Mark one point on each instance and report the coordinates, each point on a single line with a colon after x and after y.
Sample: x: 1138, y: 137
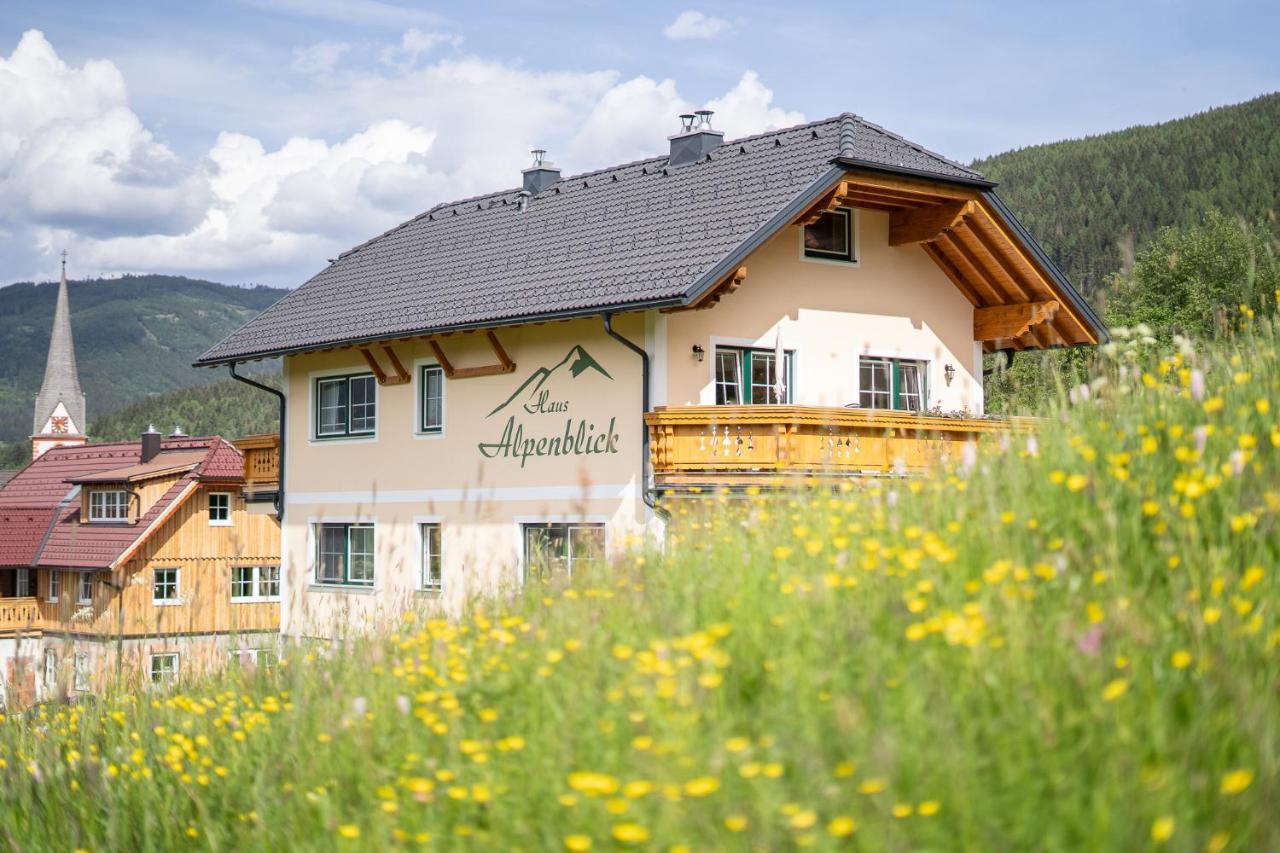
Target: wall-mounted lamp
x: 949, y: 373
x: 698, y: 352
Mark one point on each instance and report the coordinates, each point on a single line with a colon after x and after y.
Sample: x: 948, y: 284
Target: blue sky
x: 247, y: 141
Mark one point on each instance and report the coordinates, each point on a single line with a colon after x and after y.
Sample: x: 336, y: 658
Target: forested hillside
x: 135, y: 336
x: 226, y: 407
x: 1092, y: 202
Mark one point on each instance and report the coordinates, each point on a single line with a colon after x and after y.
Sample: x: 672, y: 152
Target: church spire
x: 59, y: 413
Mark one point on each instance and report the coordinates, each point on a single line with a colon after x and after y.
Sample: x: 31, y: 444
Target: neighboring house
x: 132, y: 559
x: 504, y: 386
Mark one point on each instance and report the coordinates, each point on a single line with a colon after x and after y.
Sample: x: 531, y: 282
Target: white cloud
x: 415, y: 45
x: 692, y: 24
x: 319, y: 58
x: 78, y: 169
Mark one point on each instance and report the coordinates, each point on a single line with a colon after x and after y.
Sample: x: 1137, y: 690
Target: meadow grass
x: 1067, y: 642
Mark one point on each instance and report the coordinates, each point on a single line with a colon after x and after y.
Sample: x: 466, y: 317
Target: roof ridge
x: 916, y: 145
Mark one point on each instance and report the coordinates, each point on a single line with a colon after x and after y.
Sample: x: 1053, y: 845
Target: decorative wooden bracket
x: 504, y: 365
x: 1011, y: 321
x: 925, y: 224
x: 398, y: 375
x: 728, y: 285
x: 838, y: 197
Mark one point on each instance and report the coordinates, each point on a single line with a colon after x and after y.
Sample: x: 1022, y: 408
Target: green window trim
x: 899, y: 394
x: 345, y: 416
x: 431, y: 419
x: 338, y: 562
x: 745, y: 385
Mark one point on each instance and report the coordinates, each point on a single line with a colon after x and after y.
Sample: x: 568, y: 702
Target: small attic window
x: 109, y: 505
x: 831, y: 237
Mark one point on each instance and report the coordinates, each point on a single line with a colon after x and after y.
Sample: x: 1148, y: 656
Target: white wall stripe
x: 614, y: 491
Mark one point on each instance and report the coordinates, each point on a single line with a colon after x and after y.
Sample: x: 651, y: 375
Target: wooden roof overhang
x: 1019, y: 303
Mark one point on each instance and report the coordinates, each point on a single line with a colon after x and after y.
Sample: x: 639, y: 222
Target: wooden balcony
x: 736, y: 445
x: 261, y: 465
x: 20, y: 615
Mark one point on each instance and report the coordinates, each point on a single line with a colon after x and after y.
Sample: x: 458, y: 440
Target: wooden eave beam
x: 505, y: 363
x: 954, y: 248
x: 728, y: 285
x: 1002, y: 322
x: 397, y: 376
x: 925, y: 224
x: 952, y: 272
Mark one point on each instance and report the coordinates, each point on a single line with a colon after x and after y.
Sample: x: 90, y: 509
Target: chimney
x: 541, y: 174
x: 695, y: 140
x: 150, y: 444
x: 178, y: 433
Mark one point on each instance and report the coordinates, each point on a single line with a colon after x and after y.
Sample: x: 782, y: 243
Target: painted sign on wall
x: 541, y: 420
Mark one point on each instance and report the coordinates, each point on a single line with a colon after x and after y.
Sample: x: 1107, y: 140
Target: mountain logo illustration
x: 577, y: 360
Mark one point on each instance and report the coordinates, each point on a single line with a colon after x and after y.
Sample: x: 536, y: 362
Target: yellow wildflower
x: 1236, y: 781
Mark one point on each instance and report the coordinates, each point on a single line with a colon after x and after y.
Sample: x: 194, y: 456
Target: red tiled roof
x: 30, y: 500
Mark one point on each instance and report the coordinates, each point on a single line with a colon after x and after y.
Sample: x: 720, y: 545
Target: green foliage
x: 134, y: 336
x: 227, y: 408
x: 1071, y: 645
x: 1093, y: 202
x: 1194, y: 280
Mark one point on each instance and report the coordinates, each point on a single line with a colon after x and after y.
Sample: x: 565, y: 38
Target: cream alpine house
x: 508, y: 385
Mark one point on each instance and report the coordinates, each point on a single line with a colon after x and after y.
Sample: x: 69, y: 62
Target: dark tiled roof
x: 43, y: 490
x: 630, y: 235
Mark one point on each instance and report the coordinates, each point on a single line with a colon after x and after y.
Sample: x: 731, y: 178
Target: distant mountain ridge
x: 1092, y: 202
x: 135, y: 336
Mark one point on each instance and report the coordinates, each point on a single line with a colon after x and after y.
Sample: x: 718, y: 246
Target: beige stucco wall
x: 895, y: 302
x: 399, y: 478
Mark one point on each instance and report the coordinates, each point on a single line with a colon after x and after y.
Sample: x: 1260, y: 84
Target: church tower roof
x: 61, y: 380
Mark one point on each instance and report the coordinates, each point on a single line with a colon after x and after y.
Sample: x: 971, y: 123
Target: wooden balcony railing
x: 724, y: 444
x: 261, y: 462
x: 20, y: 614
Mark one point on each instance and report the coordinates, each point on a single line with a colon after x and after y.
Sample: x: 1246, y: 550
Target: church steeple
x: 59, y: 414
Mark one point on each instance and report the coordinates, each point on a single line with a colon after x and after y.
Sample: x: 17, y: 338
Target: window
x: 751, y: 376
x: 559, y: 549
x: 255, y: 583
x: 346, y: 405
x: 164, y: 667
x: 86, y: 589
x: 219, y: 508
x: 164, y: 586
x: 263, y: 659
x: 432, y: 416
x: 22, y: 583
x: 50, y: 669
x: 432, y: 578
x: 55, y: 579
x: 891, y: 383
x: 109, y: 506
x: 344, y: 554
x: 831, y: 237
x: 82, y: 671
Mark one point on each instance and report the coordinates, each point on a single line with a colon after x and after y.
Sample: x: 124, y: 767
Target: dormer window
x: 831, y: 237
x: 109, y: 505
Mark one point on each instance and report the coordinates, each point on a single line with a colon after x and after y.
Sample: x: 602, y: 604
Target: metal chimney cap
x: 686, y: 122
x: 539, y: 156
x: 151, y: 430
x: 177, y: 433
x: 704, y: 118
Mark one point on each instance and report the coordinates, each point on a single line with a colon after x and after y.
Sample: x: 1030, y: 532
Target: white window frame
x: 220, y: 522
x: 83, y: 672
x: 256, y: 582
x: 85, y: 581
x: 855, y: 244
x: 55, y: 586
x: 50, y: 669
x: 121, y: 503
x: 345, y: 583
x: 424, y: 541
x: 177, y: 587
x: 172, y: 674
x: 22, y: 586
x: 420, y: 368
x: 315, y: 437
x: 237, y: 657
x: 926, y: 375
x: 522, y: 524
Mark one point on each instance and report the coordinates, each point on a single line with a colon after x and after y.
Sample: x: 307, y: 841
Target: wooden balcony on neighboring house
x: 20, y: 615
x: 261, y: 466
x: 742, y: 445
